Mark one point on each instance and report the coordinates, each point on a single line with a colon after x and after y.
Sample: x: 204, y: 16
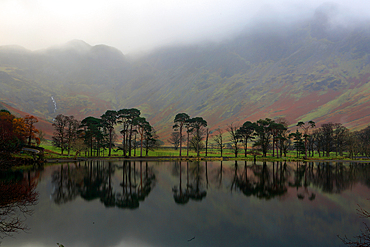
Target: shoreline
x: 203, y: 158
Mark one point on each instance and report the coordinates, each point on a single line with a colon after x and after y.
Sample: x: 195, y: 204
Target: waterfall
x: 55, y: 104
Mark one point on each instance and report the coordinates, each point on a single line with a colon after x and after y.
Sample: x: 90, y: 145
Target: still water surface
x: 121, y: 203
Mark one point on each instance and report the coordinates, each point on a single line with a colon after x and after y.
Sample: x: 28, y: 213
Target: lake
x: 123, y: 203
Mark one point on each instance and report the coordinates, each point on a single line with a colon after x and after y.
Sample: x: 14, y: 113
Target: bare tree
x: 59, y: 135
x: 363, y: 239
x: 208, y: 132
x: 16, y: 200
x: 234, y: 137
x: 79, y: 146
x: 175, y: 139
x: 72, y: 126
x: 218, y: 139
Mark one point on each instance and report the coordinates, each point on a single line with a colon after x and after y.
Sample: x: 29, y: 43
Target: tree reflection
x: 97, y: 180
x: 18, y: 194
x: 180, y: 195
x: 194, y: 190
x: 219, y: 175
x: 330, y: 177
x: 263, y: 182
x: 133, y: 193
x: 65, y: 181
x: 94, y: 180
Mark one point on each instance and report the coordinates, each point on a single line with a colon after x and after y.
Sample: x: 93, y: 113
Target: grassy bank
x: 52, y: 152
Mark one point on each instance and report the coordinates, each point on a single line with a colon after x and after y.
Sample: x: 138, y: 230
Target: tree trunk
x: 110, y: 142
x: 129, y: 143
x: 207, y: 143
x: 141, y: 144
x: 187, y: 149
x: 180, y: 138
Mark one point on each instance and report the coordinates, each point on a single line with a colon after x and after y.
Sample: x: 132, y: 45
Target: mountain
x: 309, y: 70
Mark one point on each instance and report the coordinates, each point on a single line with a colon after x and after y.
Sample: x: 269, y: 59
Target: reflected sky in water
x: 195, y: 204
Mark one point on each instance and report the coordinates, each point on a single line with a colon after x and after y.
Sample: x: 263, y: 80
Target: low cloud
x: 134, y: 26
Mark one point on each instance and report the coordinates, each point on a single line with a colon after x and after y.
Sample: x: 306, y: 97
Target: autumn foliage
x: 15, y: 132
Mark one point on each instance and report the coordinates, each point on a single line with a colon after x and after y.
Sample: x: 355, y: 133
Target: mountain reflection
x: 94, y: 180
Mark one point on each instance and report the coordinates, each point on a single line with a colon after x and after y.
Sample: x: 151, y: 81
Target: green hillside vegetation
x: 306, y: 71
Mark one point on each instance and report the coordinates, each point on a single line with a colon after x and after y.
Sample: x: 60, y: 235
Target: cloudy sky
x: 140, y: 25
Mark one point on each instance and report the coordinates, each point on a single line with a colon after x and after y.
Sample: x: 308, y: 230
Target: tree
x: 353, y: 143
x: 91, y: 132
x: 363, y: 239
x: 78, y: 146
x: 41, y: 136
x: 196, y: 144
x: 131, y: 115
x: 263, y: 132
x: 318, y: 139
x: 246, y: 133
x: 197, y: 125
x: 19, y: 128
x: 175, y: 139
x: 189, y: 130
x: 31, y: 129
x: 305, y: 127
x: 11, y: 133
x: 142, y: 127
x: 208, y: 132
x: 71, y: 129
x: 59, y: 135
x: 109, y: 119
x: 180, y: 120
x: 283, y: 136
x: 123, y: 119
x: 151, y: 140
x: 327, y: 131
x: 234, y: 137
x: 219, y: 140
x: 299, y: 145
x: 340, y: 134
x: 276, y: 130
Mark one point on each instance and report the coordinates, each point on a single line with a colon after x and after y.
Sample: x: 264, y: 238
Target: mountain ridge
x: 304, y: 72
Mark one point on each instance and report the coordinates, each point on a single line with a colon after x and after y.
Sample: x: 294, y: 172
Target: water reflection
x: 133, y: 191
x: 18, y: 195
x: 194, y: 189
x: 229, y: 203
x: 93, y: 180
x: 268, y: 181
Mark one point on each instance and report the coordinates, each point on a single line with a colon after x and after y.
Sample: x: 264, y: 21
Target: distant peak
x: 13, y: 48
x: 106, y: 51
x: 106, y: 48
x: 77, y: 45
x: 73, y: 45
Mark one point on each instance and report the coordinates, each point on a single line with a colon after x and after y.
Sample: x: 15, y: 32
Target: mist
x: 141, y: 26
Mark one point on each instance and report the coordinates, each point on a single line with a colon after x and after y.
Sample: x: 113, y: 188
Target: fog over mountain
x: 311, y: 68
x: 142, y: 25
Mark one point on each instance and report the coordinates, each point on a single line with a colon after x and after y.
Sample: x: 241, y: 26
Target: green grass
x: 170, y: 153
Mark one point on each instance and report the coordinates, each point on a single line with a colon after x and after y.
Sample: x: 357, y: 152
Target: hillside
x: 306, y: 71
x: 42, y: 124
